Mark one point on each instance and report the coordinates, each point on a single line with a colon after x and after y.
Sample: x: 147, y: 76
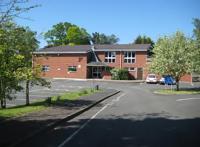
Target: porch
x: 97, y: 70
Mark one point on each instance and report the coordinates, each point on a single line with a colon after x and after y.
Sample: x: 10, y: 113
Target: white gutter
x: 60, y: 52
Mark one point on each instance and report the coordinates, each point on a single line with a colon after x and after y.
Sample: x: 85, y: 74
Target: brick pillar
x: 120, y: 55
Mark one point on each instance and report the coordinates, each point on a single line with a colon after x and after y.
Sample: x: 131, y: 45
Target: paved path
x: 134, y: 118
x: 16, y: 129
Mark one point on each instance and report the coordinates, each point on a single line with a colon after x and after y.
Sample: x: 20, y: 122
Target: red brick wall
x: 186, y: 78
x: 59, y: 65
x: 141, y: 58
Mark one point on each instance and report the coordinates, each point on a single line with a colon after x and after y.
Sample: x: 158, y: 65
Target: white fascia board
x: 59, y: 52
x: 107, y: 50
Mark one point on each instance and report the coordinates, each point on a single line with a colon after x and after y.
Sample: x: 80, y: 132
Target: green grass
x: 43, y: 104
x: 21, y: 110
x: 171, y: 92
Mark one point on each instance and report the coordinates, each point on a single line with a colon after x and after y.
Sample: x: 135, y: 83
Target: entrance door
x: 96, y: 72
x: 139, y: 73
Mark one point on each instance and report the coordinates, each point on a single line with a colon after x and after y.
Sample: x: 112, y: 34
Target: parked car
x: 151, y: 78
x: 162, y: 81
x: 168, y: 80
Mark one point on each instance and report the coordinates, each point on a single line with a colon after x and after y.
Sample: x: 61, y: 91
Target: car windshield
x: 152, y: 76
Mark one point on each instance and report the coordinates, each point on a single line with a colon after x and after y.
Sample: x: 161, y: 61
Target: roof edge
x: 60, y: 52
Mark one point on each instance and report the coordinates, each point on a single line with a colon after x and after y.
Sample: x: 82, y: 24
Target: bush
x: 83, y: 92
x: 119, y: 74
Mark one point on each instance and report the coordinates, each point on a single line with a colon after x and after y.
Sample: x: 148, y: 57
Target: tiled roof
x: 66, y: 49
x: 123, y: 46
x: 87, y: 48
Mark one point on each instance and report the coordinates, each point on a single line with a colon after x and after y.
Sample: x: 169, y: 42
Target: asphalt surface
x: 136, y: 117
x: 37, y: 92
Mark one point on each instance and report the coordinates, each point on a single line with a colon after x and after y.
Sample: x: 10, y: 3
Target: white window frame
x: 130, y: 58
x: 45, y: 68
x: 111, y: 57
x: 71, y: 68
x: 129, y: 69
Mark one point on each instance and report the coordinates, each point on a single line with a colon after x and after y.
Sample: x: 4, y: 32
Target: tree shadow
x: 139, y: 130
x: 147, y: 132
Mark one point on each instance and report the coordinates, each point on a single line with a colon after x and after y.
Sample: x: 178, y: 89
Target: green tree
x: 57, y: 35
x: 145, y: 40
x: 173, y: 56
x: 196, y: 32
x: 10, y: 63
x: 17, y: 44
x: 98, y: 38
x: 77, y: 36
x: 28, y: 44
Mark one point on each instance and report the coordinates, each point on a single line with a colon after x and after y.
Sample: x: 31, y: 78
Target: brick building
x: 92, y: 61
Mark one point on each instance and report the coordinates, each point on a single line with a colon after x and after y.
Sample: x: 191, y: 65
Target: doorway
x: 96, y: 72
x: 140, y: 73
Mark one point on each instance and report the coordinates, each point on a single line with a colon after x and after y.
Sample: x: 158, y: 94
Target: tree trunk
x: 27, y: 93
x: 3, y: 100
x: 1, y: 103
x: 177, y: 85
x: 4, y: 103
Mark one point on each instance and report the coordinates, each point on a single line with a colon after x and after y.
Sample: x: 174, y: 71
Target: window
x: 129, y: 57
x: 72, y: 68
x: 110, y: 57
x: 45, y: 68
x: 130, y: 68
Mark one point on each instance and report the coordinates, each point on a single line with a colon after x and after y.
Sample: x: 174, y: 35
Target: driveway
x: 136, y: 117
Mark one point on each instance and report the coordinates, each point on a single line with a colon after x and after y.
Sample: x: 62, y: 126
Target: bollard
x: 48, y: 100
x: 96, y: 87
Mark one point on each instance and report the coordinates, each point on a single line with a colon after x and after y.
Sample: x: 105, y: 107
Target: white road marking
x: 186, y: 99
x: 85, y: 124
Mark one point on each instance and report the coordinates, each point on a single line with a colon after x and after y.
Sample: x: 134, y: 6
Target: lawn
x: 181, y: 91
x: 43, y: 104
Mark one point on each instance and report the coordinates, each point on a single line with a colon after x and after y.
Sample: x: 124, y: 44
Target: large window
x: 110, y: 57
x: 72, y: 68
x: 129, y: 57
x: 45, y: 68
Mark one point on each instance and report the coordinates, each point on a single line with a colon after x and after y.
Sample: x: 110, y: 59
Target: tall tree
x: 28, y: 44
x: 98, y: 38
x: 196, y: 32
x: 10, y: 63
x: 10, y: 9
x: 173, y: 56
x: 17, y: 45
x: 57, y: 35
x: 145, y: 40
x: 77, y: 36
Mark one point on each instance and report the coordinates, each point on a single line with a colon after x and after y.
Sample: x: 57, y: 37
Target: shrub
x: 83, y: 92
x: 119, y: 74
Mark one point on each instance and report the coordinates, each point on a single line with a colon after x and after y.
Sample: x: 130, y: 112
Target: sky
x: 125, y: 18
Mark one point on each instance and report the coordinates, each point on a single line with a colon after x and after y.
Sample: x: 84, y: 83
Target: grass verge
x: 43, y: 104
x: 172, y: 92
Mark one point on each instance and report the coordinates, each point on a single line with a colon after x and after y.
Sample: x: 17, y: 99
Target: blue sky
x: 125, y: 18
